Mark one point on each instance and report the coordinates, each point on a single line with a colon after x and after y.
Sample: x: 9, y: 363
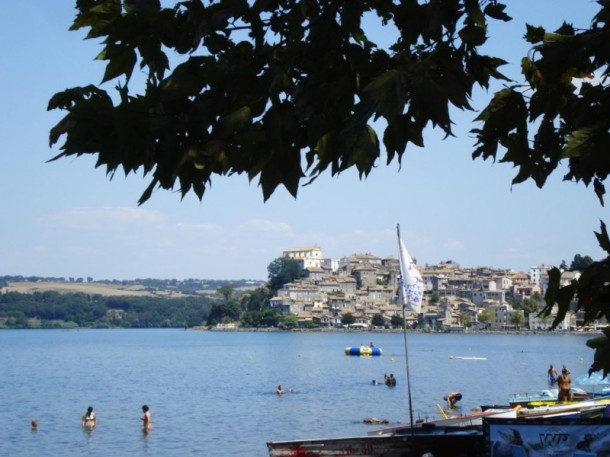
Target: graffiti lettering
x: 553, y: 439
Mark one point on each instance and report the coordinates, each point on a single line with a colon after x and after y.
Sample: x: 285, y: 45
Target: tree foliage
x: 465, y: 320
x: 53, y: 309
x: 561, y: 113
x: 226, y: 291
x: 348, y: 319
x: 485, y: 316
x: 282, y: 271
x: 261, y: 88
x: 397, y: 321
x: 256, y: 299
x: 378, y: 320
x: 517, y: 319
x: 581, y: 263
x: 531, y: 304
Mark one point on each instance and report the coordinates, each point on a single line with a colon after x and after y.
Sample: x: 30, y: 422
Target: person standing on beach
x: 146, y: 419
x: 552, y: 375
x: 89, y: 419
x: 564, y: 384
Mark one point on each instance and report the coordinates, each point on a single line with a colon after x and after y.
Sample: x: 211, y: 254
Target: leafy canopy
x: 282, y: 271
x: 273, y: 89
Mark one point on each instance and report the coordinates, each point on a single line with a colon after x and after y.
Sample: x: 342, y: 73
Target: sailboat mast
x: 404, y: 322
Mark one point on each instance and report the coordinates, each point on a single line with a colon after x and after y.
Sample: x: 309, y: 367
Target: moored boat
x: 439, y: 441
x: 460, y: 420
x: 586, y: 408
x: 546, y: 397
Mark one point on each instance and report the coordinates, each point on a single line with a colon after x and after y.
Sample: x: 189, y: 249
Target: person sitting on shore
x: 452, y: 399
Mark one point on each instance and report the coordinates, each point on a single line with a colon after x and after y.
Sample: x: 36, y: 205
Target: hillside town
x: 456, y: 298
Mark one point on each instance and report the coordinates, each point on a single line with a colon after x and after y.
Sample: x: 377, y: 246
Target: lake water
x: 213, y: 393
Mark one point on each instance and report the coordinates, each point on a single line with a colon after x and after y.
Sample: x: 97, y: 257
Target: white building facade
x: 308, y: 256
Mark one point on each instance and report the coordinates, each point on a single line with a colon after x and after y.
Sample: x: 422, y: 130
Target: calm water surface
x: 213, y: 393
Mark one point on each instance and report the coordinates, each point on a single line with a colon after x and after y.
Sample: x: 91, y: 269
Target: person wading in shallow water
x: 452, y: 399
x: 89, y: 419
x: 146, y: 419
x: 552, y: 375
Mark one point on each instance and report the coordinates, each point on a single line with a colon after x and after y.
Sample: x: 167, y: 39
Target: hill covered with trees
x: 36, y: 302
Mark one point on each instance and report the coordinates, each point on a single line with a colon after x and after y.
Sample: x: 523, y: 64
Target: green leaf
x: 383, y: 95
x: 556, y: 295
x: 496, y: 11
x: 235, y: 121
x: 534, y: 34
x: 121, y: 59
x: 602, y: 238
x: 473, y: 35
x: 580, y: 142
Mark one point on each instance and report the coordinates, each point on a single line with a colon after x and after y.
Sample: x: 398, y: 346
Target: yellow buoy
x: 450, y: 356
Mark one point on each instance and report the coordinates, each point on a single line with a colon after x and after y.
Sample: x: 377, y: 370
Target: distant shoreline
x: 346, y: 330
x: 332, y: 330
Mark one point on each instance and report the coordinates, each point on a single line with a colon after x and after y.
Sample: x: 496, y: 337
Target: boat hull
x: 459, y: 442
x: 462, y: 420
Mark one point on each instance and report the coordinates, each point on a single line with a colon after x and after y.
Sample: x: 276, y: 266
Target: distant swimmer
x: 279, y: 391
x: 390, y: 380
x: 34, y: 425
x: 89, y: 419
x: 452, y: 399
x: 146, y: 418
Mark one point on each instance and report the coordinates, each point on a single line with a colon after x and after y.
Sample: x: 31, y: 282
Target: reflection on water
x: 214, y: 393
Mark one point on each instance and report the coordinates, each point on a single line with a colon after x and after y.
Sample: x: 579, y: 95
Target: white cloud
x: 200, y: 229
x: 101, y: 218
x: 267, y: 226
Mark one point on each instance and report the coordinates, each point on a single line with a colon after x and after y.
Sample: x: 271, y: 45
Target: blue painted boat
x: 546, y: 397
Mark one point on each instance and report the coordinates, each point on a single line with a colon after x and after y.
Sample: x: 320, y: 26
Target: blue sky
x: 67, y: 219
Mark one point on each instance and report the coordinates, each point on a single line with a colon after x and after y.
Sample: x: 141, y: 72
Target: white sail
x: 411, y: 284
